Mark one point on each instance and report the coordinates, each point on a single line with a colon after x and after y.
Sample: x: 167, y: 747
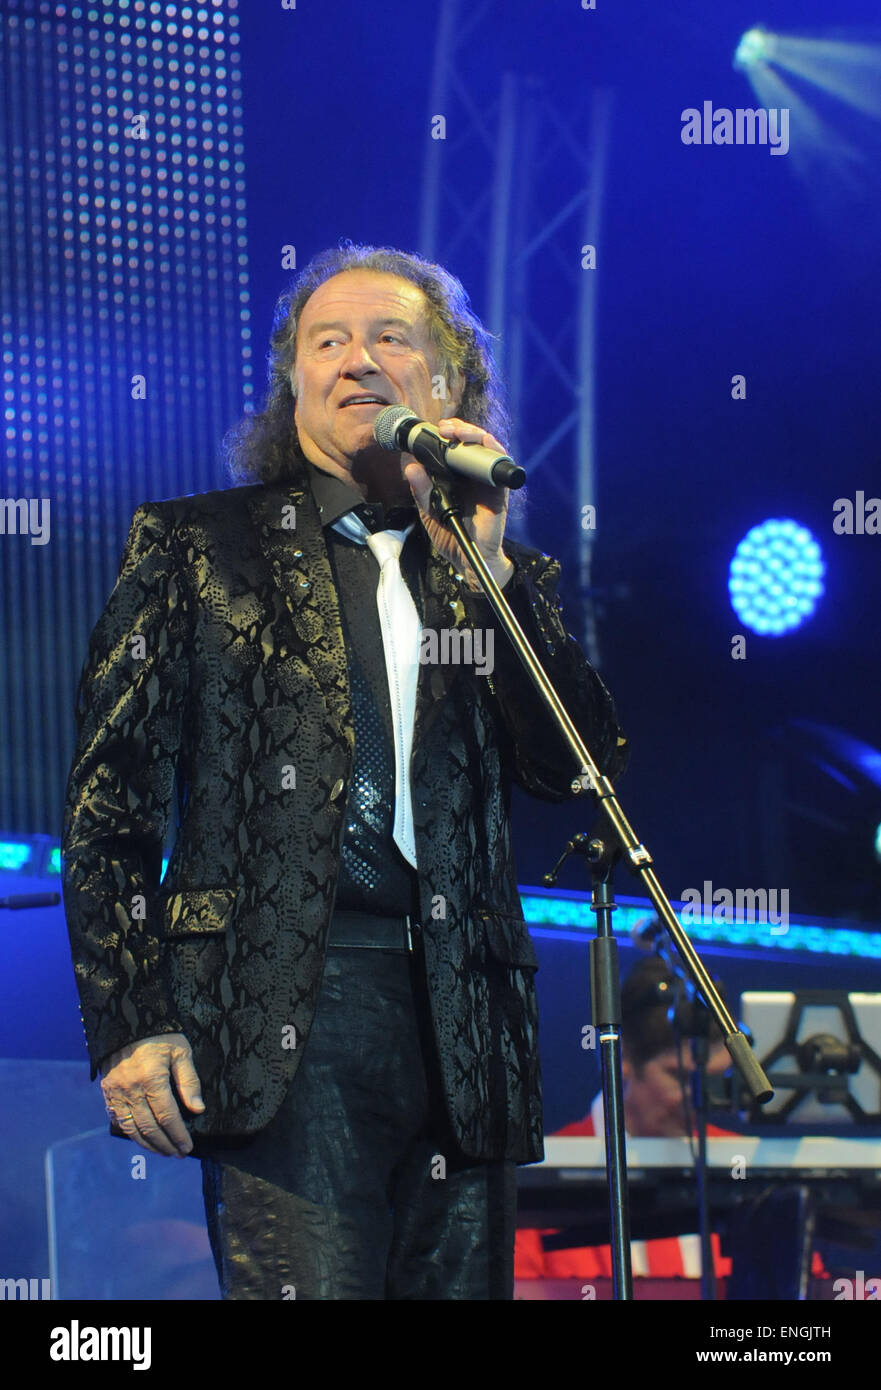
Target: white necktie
x: 401, y: 636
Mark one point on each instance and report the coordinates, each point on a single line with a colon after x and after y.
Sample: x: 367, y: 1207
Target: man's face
x: 653, y: 1100
x: 362, y: 343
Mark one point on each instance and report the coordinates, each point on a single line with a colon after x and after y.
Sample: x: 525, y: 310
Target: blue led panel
x: 126, y: 340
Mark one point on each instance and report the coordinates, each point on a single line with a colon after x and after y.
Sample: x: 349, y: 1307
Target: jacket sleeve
x: 541, y: 760
x: 129, y: 716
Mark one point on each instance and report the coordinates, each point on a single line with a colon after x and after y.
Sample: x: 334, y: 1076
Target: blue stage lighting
x: 776, y: 577
x: 756, y: 46
x: 14, y: 855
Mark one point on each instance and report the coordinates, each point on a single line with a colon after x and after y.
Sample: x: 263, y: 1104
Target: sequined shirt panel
x: 374, y: 876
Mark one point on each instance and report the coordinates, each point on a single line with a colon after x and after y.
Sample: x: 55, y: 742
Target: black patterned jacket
x: 216, y: 691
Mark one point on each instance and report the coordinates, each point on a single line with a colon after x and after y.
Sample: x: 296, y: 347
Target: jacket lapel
x: 441, y: 608
x: 291, y: 537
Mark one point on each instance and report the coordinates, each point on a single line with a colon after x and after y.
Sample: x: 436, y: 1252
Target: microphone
x: 400, y: 430
x: 19, y: 900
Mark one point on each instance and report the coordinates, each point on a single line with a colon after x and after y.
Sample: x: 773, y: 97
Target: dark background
x: 712, y: 261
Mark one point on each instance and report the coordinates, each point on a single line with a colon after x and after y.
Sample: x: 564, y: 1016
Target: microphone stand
x: 690, y: 1019
x: 605, y: 997
x: 604, y: 962
x: 700, y: 1052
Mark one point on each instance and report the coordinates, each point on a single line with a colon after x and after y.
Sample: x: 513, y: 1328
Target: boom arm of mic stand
x: 446, y: 511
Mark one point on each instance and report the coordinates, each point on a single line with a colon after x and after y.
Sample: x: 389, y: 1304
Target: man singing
x: 329, y: 997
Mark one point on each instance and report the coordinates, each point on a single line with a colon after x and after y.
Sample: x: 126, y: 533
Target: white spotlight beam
x: 849, y: 71
x: 812, y: 143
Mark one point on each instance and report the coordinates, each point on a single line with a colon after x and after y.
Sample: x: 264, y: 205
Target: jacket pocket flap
x: 508, y: 940
x: 198, y: 910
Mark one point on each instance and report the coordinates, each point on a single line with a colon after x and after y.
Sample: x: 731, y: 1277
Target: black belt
x: 364, y: 930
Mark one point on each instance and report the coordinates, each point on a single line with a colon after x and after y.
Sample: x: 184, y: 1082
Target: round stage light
x: 776, y: 577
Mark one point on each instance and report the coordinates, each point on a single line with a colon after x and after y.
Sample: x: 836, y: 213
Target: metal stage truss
x: 512, y: 192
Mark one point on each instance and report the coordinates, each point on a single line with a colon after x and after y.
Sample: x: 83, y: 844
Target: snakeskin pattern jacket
x: 215, y: 699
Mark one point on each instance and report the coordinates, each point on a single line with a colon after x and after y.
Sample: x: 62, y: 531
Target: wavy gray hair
x: 263, y: 446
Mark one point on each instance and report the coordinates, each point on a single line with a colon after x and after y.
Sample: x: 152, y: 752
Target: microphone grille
x: 385, y: 426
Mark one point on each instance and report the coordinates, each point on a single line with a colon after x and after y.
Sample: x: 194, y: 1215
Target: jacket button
x: 336, y: 789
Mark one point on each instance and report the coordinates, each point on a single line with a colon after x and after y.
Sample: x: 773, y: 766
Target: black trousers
x: 357, y: 1189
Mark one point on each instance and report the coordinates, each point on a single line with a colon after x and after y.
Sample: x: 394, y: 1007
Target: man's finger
x: 420, y: 485
x: 144, y: 1131
x: 465, y: 433
x: 161, y: 1122
x: 186, y: 1079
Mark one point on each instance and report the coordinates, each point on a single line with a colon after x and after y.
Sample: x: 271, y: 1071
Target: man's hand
x: 138, y: 1094
x: 484, y: 508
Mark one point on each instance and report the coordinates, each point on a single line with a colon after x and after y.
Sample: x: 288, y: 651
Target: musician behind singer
x: 655, y: 1104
